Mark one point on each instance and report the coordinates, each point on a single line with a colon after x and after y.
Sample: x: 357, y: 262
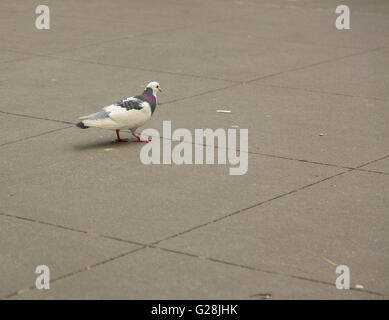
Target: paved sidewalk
x: 109, y: 226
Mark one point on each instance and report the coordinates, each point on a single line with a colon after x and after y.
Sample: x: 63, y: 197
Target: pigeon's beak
x: 160, y: 89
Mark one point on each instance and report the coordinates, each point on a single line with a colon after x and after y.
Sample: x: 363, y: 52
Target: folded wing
x: 126, y: 113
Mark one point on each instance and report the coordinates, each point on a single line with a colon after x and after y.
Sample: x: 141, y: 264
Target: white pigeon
x: 130, y: 113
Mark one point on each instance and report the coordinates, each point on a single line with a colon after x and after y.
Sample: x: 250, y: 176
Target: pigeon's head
x: 154, y: 86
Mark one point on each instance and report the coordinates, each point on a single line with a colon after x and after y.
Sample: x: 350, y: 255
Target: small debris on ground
x: 264, y: 296
x: 223, y: 111
x: 330, y: 262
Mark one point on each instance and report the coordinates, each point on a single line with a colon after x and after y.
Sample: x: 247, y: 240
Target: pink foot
x: 142, y: 140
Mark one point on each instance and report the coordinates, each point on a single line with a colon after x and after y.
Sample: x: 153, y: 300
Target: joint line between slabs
x: 34, y: 117
x: 251, y: 207
x: 315, y: 64
x: 267, y: 201
x: 86, y: 268
x: 144, y: 246
x: 359, y: 168
x: 34, y: 136
x: 317, y: 91
x: 204, y: 145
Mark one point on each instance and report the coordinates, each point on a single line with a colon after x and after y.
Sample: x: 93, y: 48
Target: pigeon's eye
x: 157, y: 87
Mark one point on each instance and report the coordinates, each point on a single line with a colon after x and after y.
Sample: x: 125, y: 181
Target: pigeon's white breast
x: 131, y: 119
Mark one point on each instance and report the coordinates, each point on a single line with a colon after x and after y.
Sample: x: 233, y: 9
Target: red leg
x: 120, y: 139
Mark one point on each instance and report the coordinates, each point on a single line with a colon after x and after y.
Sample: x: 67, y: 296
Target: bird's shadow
x: 106, y: 144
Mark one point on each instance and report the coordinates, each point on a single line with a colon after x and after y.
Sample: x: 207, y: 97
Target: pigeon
x: 130, y: 113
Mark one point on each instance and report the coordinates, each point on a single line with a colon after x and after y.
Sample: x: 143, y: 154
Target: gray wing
x: 100, y: 115
x: 130, y: 103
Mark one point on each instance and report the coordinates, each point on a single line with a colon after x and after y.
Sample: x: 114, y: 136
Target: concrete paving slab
x: 62, y: 189
x: 15, y: 128
x: 76, y: 24
x: 220, y: 55
x: 26, y: 245
x: 19, y: 33
x: 364, y: 75
x: 80, y: 179
x: 381, y: 165
x: 357, y: 6
x: 299, y: 22
x: 341, y: 221
x: 198, y: 11
x: 68, y: 30
x: 152, y: 274
x: 288, y: 122
x: 157, y: 13
x: 65, y: 90
x: 8, y: 56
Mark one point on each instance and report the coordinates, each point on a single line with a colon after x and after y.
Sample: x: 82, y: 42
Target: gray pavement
x: 110, y: 227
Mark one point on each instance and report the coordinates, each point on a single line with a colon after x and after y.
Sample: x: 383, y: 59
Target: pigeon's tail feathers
x: 81, y: 125
x: 88, y: 116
